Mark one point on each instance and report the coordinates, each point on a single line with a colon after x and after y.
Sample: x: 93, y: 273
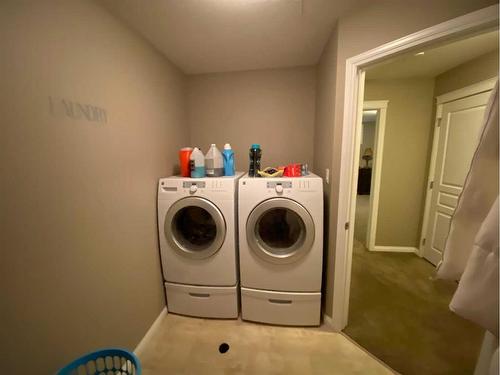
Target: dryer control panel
x: 284, y: 184
x: 300, y: 184
x: 281, y: 186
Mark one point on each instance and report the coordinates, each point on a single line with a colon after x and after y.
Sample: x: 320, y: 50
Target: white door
x: 459, y: 130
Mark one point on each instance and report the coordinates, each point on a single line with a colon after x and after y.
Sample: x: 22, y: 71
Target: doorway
x: 369, y: 172
x: 469, y: 24
x: 397, y: 310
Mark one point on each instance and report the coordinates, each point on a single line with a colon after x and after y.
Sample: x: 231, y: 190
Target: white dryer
x: 197, y: 227
x: 281, y: 249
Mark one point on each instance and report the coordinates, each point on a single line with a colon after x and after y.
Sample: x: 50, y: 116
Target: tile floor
x: 184, y: 345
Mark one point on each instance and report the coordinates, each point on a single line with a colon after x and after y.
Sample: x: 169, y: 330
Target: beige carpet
x: 185, y: 345
x: 400, y: 314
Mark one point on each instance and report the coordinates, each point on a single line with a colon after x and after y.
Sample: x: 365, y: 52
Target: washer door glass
x: 195, y: 227
x: 280, y: 230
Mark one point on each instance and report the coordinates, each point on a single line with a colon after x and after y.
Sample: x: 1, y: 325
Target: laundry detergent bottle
x: 197, y: 163
x: 255, y: 156
x: 214, y: 164
x: 228, y: 156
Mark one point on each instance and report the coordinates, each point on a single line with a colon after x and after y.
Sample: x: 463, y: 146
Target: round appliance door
x: 280, y: 230
x: 195, y: 227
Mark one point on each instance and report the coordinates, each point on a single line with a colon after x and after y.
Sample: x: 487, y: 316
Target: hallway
x: 400, y: 314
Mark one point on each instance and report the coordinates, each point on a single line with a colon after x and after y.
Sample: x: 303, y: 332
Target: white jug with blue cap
x: 214, y: 164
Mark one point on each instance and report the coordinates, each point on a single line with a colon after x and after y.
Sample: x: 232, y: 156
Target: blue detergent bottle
x: 228, y: 156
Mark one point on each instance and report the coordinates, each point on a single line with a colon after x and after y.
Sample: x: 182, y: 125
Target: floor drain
x: 223, y: 347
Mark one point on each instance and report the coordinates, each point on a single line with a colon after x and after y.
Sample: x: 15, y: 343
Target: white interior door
x: 459, y: 130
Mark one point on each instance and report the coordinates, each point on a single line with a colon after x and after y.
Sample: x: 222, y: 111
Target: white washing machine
x: 197, y: 227
x: 281, y: 249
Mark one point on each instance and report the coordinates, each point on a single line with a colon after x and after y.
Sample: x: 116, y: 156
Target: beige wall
x: 370, y: 27
x: 402, y: 194
x: 272, y: 107
x: 325, y: 109
x: 79, y: 255
x: 466, y: 74
x: 405, y: 158
x: 323, y: 147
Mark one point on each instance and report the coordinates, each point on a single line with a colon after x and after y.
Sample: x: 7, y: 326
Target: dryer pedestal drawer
x: 202, y: 301
x: 294, y: 309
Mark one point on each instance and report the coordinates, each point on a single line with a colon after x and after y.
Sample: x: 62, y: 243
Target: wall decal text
x: 62, y: 107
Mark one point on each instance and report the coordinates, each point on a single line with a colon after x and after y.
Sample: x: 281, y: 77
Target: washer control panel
x: 198, y: 184
x: 201, y: 187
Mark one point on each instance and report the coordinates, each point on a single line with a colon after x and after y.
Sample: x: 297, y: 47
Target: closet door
x: 460, y: 125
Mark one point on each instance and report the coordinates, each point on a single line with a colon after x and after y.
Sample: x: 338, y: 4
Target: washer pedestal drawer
x: 202, y: 301
x: 294, y: 309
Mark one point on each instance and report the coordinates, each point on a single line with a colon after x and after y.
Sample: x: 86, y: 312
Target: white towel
x: 476, y: 297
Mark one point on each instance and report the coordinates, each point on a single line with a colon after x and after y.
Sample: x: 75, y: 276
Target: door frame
x: 482, y: 19
x: 381, y: 106
x: 476, y: 88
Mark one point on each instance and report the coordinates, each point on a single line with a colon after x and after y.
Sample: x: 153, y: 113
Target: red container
x: 184, y: 155
x: 293, y: 170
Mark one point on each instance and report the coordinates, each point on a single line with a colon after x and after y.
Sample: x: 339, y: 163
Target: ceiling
x: 206, y: 36
x: 436, y: 60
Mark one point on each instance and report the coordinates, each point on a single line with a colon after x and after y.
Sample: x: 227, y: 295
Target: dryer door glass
x: 195, y: 227
x: 280, y: 230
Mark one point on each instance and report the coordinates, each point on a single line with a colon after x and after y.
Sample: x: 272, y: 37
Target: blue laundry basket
x: 103, y: 362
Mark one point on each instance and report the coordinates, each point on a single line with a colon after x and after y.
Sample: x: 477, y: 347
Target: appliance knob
x: 193, y: 188
x: 279, y: 189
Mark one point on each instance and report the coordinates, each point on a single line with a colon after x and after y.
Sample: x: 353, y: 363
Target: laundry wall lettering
x: 77, y: 111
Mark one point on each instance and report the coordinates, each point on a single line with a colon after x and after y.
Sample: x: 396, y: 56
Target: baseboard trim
x: 396, y: 249
x: 329, y: 324
x: 328, y: 321
x: 151, y: 331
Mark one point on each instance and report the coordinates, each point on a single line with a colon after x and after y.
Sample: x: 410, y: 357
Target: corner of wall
x: 326, y: 71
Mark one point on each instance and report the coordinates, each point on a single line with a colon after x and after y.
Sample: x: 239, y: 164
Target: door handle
x: 200, y: 295
x: 281, y: 301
